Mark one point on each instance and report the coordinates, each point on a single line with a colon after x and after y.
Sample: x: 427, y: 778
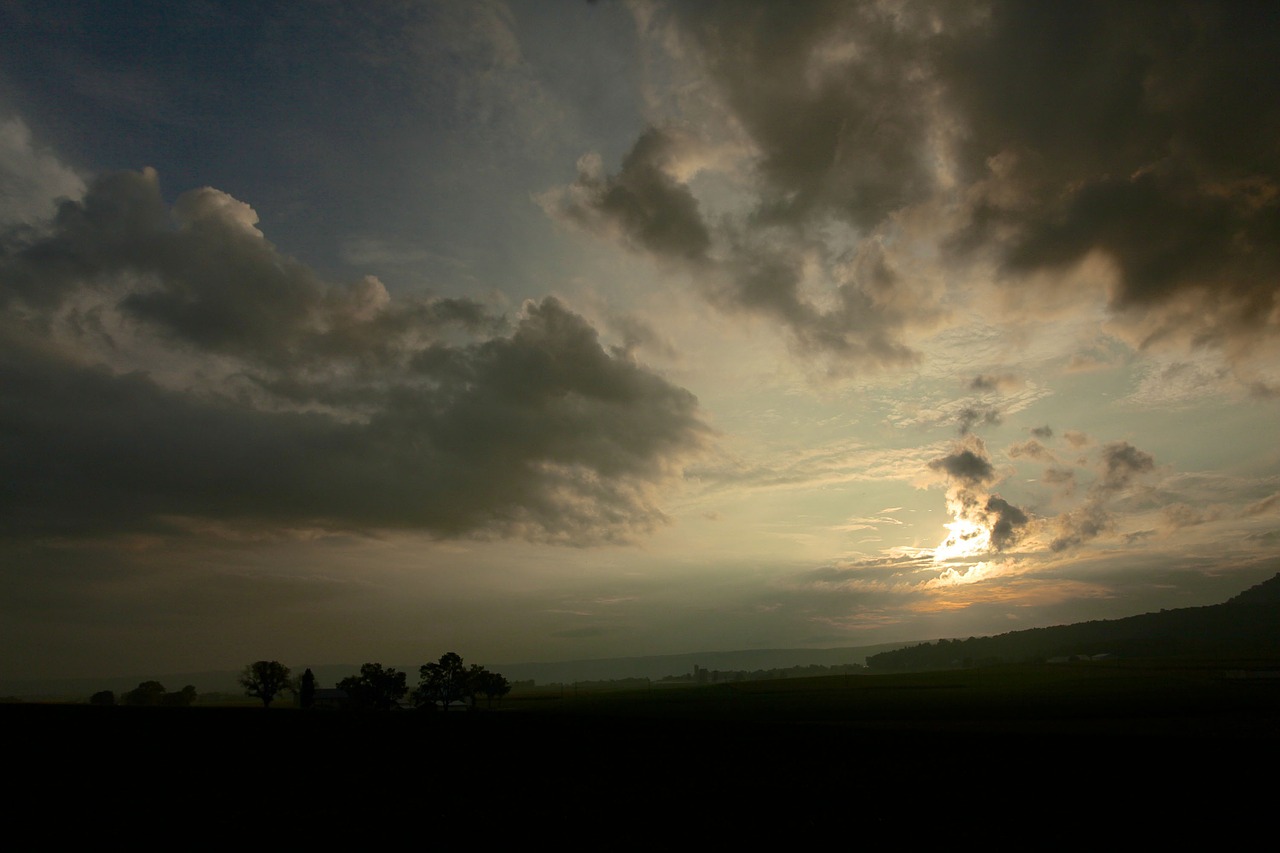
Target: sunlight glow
x: 966, y: 539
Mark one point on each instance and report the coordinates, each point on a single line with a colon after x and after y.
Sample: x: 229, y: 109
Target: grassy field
x: 1015, y: 742
x: 1181, y: 699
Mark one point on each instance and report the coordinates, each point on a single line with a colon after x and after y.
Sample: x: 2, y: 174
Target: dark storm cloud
x: 966, y: 466
x: 838, y: 134
x: 363, y: 413
x: 1006, y: 522
x: 757, y: 269
x: 643, y: 203
x: 202, y: 275
x: 832, y: 96
x: 1144, y: 133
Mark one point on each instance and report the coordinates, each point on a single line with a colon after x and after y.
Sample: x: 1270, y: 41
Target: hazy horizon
x: 548, y: 332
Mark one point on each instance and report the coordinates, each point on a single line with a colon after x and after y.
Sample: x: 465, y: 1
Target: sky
x: 538, y: 331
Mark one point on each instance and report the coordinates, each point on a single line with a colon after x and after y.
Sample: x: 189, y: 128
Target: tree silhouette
x: 375, y: 688
x: 307, y: 690
x: 146, y: 693
x: 447, y: 680
x: 103, y: 698
x: 265, y: 680
x: 184, y: 698
x: 444, y: 681
x: 491, y: 684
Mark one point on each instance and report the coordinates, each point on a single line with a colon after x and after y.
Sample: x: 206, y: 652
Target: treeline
x: 147, y: 694
x: 441, y: 684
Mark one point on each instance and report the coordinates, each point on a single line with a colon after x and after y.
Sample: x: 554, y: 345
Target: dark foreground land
x: 1173, y: 745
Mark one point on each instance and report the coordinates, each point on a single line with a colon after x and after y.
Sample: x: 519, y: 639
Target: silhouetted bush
x: 145, y: 694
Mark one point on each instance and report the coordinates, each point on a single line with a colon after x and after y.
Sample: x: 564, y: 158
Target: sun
x: 965, y: 539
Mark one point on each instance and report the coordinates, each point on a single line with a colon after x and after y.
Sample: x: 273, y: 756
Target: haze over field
x: 551, y: 331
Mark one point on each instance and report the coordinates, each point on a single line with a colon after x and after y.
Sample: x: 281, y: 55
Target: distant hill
x: 1267, y: 592
x: 1247, y: 627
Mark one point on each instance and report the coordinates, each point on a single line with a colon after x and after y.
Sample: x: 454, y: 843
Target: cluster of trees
x: 440, y: 684
x: 148, y: 693
x: 447, y: 681
x: 376, y: 688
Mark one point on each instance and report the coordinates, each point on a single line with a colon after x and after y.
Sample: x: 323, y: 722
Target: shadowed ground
x: 1175, y: 745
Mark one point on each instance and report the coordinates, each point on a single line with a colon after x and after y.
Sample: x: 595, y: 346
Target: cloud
x: 637, y: 334
x: 972, y: 416
x: 1076, y: 438
x: 1065, y: 478
x: 981, y: 521
x: 1123, y: 154
x: 861, y: 321
x: 31, y: 180
x: 164, y: 364
x: 743, y: 266
x: 1025, y: 138
x: 643, y: 204
x: 1121, y: 463
x: 1182, y: 515
x: 1260, y: 390
x: 830, y: 95
x: 991, y: 382
x: 967, y: 464
x: 1005, y: 521
x: 1264, y: 506
x: 1080, y: 525
x: 1031, y: 449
